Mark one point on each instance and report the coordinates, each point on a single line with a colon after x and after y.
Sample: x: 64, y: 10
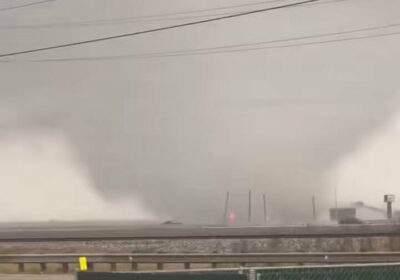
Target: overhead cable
x: 242, y: 47
x: 125, y: 35
x: 138, y: 19
x: 24, y: 5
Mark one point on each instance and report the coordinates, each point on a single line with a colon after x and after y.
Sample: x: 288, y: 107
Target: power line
x: 299, y: 38
x: 168, y: 18
x: 115, y: 21
x: 149, y: 18
x: 294, y: 45
x: 219, y: 50
x: 25, y: 5
x: 161, y: 17
x: 155, y: 30
x: 199, y: 10
x: 153, y: 17
x: 148, y: 56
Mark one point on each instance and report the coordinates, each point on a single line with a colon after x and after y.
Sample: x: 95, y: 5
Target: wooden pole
x: 265, y: 208
x: 226, y: 208
x: 314, y: 208
x: 249, y: 217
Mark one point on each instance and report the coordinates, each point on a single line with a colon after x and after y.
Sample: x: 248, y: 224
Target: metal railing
x: 129, y: 232
x: 244, y: 259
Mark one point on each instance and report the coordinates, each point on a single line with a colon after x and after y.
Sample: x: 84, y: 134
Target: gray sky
x: 176, y: 133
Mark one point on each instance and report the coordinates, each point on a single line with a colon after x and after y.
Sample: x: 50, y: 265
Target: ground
x: 36, y: 277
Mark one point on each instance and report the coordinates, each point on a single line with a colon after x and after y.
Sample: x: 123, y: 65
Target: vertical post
x: 389, y: 210
x: 336, y: 201
x: 113, y: 266
x: 249, y: 217
x: 134, y: 266
x: 90, y: 266
x: 43, y: 267
x: 336, y: 204
x: 389, y: 199
x: 314, y: 210
x: 265, y: 208
x: 21, y: 267
x: 252, y: 274
x: 187, y: 265
x: 226, y: 208
x: 65, y: 268
x: 160, y: 266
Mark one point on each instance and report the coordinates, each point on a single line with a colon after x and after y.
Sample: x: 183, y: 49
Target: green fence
x: 336, y: 273
x: 389, y: 272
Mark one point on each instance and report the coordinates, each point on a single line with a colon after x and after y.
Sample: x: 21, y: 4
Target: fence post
x: 65, y: 267
x: 113, y: 266
x: 187, y: 265
x: 252, y: 274
x: 90, y: 266
x: 43, y: 267
x: 21, y: 267
x: 134, y: 266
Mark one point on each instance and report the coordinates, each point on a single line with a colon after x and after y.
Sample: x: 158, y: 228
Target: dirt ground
x: 36, y: 277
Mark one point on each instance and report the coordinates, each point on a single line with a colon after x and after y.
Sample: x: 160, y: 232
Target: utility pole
x: 265, y: 208
x: 249, y: 217
x: 389, y: 199
x: 336, y: 203
x: 226, y: 208
x: 314, y: 208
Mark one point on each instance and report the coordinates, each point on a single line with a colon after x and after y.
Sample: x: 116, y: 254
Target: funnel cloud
x: 168, y: 137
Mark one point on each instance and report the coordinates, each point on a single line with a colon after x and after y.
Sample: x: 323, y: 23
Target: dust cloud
x: 371, y: 171
x: 44, y: 182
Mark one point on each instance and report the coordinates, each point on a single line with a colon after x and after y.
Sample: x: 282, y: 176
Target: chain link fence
x: 334, y: 273
x: 355, y: 272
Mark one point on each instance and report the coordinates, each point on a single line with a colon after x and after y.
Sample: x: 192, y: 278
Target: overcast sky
x: 173, y: 134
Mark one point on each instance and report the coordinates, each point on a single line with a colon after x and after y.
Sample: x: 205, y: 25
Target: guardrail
x: 129, y: 232
x: 188, y: 259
